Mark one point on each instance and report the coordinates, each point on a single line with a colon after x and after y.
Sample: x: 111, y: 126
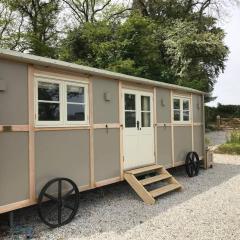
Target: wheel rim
x: 58, y: 202
x: 192, y: 164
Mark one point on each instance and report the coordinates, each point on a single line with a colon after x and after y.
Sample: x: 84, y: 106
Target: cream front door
x: 138, y: 130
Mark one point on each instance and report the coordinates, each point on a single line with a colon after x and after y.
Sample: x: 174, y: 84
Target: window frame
x: 63, y: 83
x: 182, y: 99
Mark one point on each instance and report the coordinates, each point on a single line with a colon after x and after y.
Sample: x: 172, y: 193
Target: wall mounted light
x: 107, y: 96
x: 162, y: 102
x: 3, y: 86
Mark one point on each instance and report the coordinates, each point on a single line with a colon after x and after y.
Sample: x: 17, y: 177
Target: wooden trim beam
x: 192, y: 128
x: 31, y: 134
x: 120, y: 106
x: 108, y: 181
x: 16, y: 205
x: 106, y: 125
x: 172, y: 128
x: 91, y: 135
x: 39, y: 129
x: 14, y: 128
x: 155, y: 123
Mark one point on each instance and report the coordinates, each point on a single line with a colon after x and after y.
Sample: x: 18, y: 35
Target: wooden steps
x: 140, y: 185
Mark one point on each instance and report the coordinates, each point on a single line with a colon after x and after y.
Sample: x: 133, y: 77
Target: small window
x: 60, y: 103
x: 130, y: 110
x: 145, y: 111
x: 181, y: 110
x: 48, y: 101
x: 75, y: 103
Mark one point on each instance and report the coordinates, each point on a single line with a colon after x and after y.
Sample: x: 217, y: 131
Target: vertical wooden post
x: 120, y: 105
x: 204, y: 147
x: 155, y: 122
x: 31, y: 134
x: 91, y: 135
x: 172, y: 128
x: 192, y: 121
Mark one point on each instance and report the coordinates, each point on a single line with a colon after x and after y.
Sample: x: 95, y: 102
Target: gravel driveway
x: 208, y: 208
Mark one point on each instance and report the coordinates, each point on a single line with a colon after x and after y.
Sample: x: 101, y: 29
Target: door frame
x: 152, y: 91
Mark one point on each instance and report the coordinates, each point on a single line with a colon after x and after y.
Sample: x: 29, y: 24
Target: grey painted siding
x: 14, y: 101
x: 163, y: 103
x: 182, y: 142
x: 14, y: 165
x: 62, y: 154
x: 197, y: 108
x: 198, y: 140
x: 106, y: 153
x: 164, y: 146
x: 105, y: 111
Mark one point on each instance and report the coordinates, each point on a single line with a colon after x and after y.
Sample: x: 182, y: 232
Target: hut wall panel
x: 164, y: 146
x: 198, y: 140
x: 105, y: 111
x: 197, y: 108
x: 163, y: 103
x: 182, y: 142
x: 106, y: 154
x: 62, y: 154
x: 14, y: 100
x: 14, y: 165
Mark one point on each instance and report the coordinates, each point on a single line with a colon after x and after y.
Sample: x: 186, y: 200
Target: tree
x: 40, y: 33
x: 10, y: 27
x: 85, y: 11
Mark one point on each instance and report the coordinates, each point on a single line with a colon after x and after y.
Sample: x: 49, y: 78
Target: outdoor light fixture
x: 162, y: 102
x: 107, y: 96
x: 3, y: 86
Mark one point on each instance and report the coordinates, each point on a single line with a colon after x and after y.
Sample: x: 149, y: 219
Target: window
x: 130, y: 110
x: 61, y: 103
x: 181, y: 110
x: 145, y: 111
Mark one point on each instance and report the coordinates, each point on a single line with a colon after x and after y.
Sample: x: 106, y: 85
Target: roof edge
x: 43, y: 61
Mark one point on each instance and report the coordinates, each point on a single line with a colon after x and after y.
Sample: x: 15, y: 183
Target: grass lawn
x: 229, y: 148
x: 232, y: 146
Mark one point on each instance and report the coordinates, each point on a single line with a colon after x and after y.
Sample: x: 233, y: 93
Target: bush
x: 234, y: 137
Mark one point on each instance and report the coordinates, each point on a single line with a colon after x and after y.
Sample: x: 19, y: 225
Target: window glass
x: 186, y: 116
x: 177, y: 115
x: 146, y: 119
x: 130, y: 102
x: 75, y: 112
x: 145, y: 103
x: 75, y: 94
x: 176, y: 103
x: 130, y: 119
x: 185, y: 104
x: 48, y: 111
x: 48, y: 91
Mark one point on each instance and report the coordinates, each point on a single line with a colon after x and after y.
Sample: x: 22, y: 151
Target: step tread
x: 165, y: 189
x: 144, y: 169
x: 154, y: 179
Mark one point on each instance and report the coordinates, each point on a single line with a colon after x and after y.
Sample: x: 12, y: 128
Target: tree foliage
x: 175, y: 41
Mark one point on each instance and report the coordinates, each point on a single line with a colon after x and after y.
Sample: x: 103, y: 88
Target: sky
x: 227, y: 88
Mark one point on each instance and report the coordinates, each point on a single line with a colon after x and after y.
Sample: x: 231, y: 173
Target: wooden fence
x: 228, y: 123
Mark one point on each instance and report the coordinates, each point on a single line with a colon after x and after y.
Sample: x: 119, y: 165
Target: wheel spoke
x: 68, y: 194
x: 59, y: 202
x: 50, y: 197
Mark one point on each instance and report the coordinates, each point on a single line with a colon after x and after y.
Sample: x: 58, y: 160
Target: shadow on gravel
x: 117, y: 208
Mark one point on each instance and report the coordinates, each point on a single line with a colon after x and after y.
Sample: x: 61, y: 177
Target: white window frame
x: 63, y: 122
x: 182, y: 99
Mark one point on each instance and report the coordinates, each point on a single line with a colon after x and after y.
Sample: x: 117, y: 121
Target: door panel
x: 138, y: 133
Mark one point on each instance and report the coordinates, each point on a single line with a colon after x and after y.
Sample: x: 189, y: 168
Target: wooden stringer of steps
x: 140, y: 185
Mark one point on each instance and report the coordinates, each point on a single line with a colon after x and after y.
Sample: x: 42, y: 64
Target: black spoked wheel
x: 192, y: 164
x: 58, y: 202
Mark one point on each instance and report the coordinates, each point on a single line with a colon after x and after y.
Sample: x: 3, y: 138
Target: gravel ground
x: 217, y: 137
x: 208, y: 208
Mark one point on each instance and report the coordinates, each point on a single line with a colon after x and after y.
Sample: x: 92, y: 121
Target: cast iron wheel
x: 192, y: 164
x: 58, y: 202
